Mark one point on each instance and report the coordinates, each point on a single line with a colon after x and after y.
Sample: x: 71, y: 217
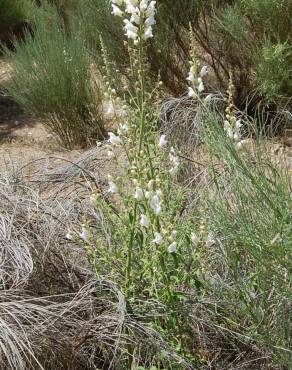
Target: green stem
x: 129, y: 256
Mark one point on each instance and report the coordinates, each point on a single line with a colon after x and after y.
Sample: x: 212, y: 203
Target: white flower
x: 158, y: 238
x: 236, y: 136
x: 143, y: 5
x: 130, y: 7
x: 172, y: 247
x: 144, y: 221
x: 111, y: 109
x: 114, y: 139
x: 150, y: 184
x: 112, y: 186
x: 239, y: 144
x: 125, y: 127
x: 210, y: 240
x: 69, y: 235
x: 151, y: 9
x: 238, y: 124
x: 174, y: 161
x: 204, y: 71
x: 147, y: 194
x: 195, y: 239
x: 191, y: 92
x: 110, y: 154
x: 162, y: 141
x: 155, y: 203
x: 135, y: 18
x: 138, y: 194
x: 148, y: 33
x: 84, y: 234
x: 173, y: 170
x: 117, y: 11
x: 150, y: 21
x: 226, y: 125
x: 191, y: 77
x: 201, y: 87
x: 157, y: 209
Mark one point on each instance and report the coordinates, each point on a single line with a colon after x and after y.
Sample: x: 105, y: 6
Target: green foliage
x: 251, y: 213
x: 274, y: 71
x: 11, y: 14
x: 231, y: 35
x: 52, y: 78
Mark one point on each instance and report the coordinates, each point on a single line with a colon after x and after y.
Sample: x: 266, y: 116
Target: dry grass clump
x: 53, y: 312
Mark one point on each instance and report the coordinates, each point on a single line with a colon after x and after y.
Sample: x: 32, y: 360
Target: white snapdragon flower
x: 131, y: 30
x: 117, y: 11
x: 110, y: 109
x: 112, y: 185
x: 204, y: 71
x: 150, y: 184
x: 148, y: 33
x: 138, y: 194
x: 150, y: 21
x: 110, y: 154
x: 144, y: 221
x: 172, y: 248
x: 158, y: 238
x: 156, y: 203
x: 151, y: 9
x: 162, y: 141
x: 69, y: 235
x: 140, y: 12
x: 191, y: 92
x: 114, y: 139
x: 123, y: 129
x: 201, y: 86
x: 85, y: 234
x: 143, y: 5
x: 191, y: 76
x: 197, y: 84
x: 174, y: 161
x: 233, y: 130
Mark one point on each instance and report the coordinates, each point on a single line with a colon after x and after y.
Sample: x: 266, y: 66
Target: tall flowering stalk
x: 145, y: 249
x: 196, y: 73
x: 232, y: 125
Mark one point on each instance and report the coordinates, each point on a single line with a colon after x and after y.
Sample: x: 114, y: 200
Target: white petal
x: 172, y: 248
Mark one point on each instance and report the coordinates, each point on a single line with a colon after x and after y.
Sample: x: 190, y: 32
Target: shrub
x: 231, y: 35
x: 13, y: 21
x: 214, y: 260
x: 53, y: 79
x: 11, y: 14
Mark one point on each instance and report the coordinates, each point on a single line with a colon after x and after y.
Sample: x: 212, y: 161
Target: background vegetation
x: 83, y: 283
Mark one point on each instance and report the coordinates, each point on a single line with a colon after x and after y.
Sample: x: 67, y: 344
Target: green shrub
x: 11, y: 14
x: 231, y: 35
x: 250, y: 211
x: 52, y: 78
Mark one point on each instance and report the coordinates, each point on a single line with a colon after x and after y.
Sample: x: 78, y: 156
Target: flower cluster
x: 174, y: 161
x: 232, y: 125
x: 141, y: 17
x: 196, y: 74
x: 196, y: 79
